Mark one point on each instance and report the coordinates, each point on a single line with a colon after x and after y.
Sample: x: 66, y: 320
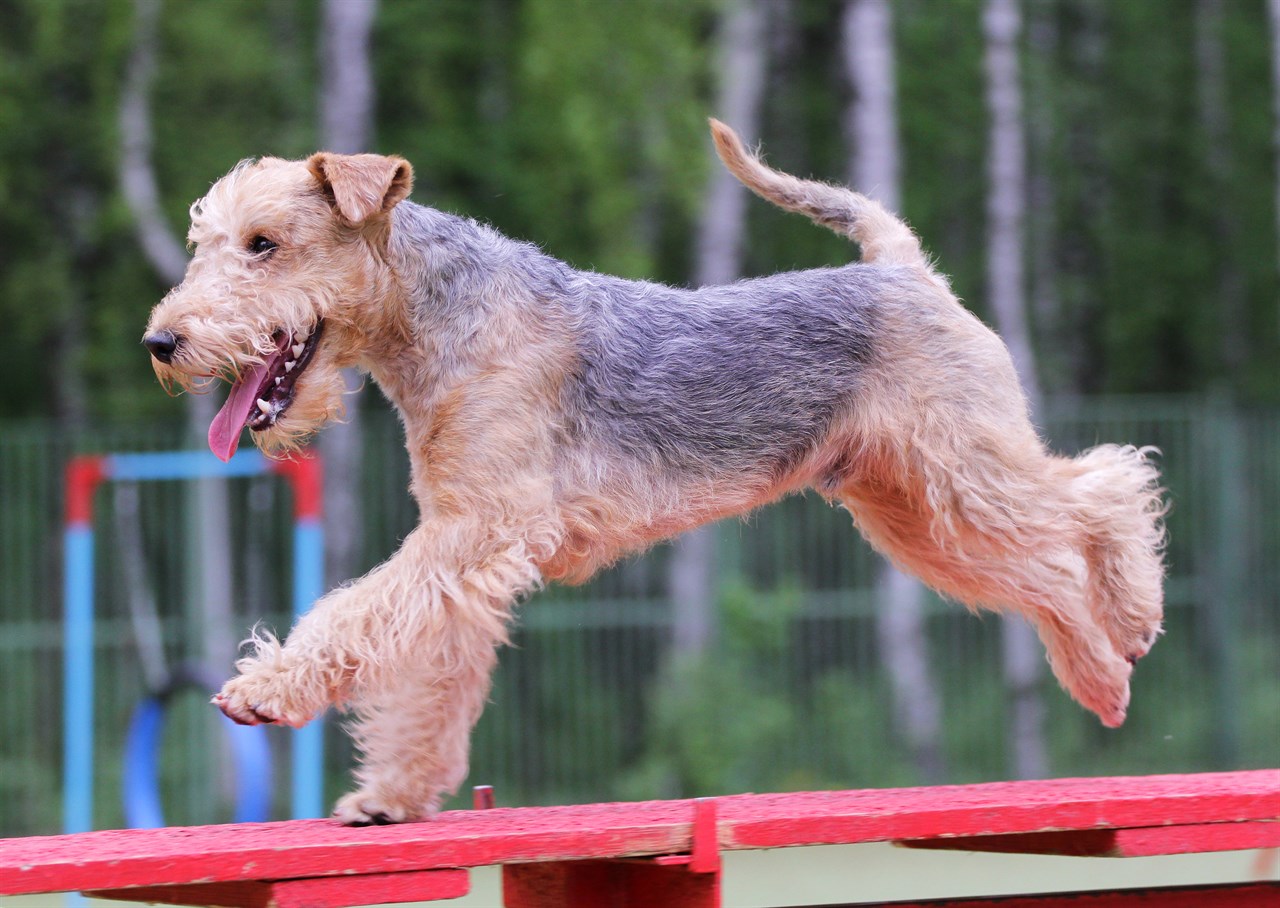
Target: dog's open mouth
x: 263, y: 392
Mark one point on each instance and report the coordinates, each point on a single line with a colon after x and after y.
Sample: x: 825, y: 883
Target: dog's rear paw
x: 1142, y: 644
x: 1098, y: 680
x: 1132, y: 635
x: 1115, y: 711
x: 1145, y: 640
x: 368, y: 808
x: 1109, y: 702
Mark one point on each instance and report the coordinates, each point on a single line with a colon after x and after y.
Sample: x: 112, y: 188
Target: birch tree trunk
x: 1006, y: 209
x: 741, y: 65
x: 209, y: 519
x: 164, y: 250
x: 346, y: 127
x: 872, y: 131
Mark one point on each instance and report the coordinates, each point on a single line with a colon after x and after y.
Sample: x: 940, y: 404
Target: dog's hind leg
x: 1117, y: 498
x: 998, y: 547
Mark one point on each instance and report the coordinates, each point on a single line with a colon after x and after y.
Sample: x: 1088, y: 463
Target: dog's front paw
x: 265, y: 697
x: 366, y: 807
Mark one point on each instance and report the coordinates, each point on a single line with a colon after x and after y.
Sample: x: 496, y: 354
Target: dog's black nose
x: 161, y: 344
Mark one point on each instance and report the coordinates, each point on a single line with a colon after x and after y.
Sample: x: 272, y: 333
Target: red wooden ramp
x: 658, y: 853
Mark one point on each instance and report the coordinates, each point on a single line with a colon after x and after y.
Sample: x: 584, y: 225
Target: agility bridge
x: 664, y: 854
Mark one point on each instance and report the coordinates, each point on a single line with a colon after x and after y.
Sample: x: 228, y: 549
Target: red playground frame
x: 664, y: 854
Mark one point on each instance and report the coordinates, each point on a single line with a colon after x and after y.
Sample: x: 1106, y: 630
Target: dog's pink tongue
x: 224, y: 431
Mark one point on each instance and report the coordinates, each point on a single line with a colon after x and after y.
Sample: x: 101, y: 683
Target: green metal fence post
x: 1220, y: 611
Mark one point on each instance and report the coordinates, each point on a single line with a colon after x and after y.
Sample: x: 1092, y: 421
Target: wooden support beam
x: 1142, y: 842
x: 1242, y: 895
x: 672, y: 881
x: 615, y: 884
x: 317, y: 892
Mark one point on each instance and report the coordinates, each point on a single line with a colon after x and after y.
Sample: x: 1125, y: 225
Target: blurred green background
x: 1148, y: 252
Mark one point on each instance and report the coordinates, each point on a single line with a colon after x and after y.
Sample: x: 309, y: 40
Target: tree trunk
x: 346, y: 124
x: 1084, y: 209
x: 742, y: 62
x: 1273, y: 16
x: 1213, y: 110
x: 211, y: 599
x: 872, y: 132
x: 741, y: 67
x: 161, y: 246
x: 77, y: 212
x: 1006, y: 194
x: 1006, y: 207
x: 1042, y: 196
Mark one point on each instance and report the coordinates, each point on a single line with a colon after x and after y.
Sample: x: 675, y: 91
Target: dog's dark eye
x: 260, y: 245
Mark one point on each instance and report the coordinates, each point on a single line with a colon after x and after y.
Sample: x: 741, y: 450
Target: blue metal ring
x: 141, y: 783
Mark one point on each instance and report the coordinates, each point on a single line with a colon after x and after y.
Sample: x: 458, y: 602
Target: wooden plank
x: 1118, y: 843
x: 616, y: 884
x: 822, y: 818
x: 1192, y: 839
x: 313, y: 848
x: 320, y: 892
x: 115, y: 859
x: 1253, y: 895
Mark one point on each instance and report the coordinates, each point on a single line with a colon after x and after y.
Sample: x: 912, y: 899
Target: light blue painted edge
x: 308, y: 741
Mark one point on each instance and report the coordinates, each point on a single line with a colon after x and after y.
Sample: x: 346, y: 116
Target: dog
x: 558, y: 419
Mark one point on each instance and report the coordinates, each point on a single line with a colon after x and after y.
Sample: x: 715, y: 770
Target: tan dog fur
x: 483, y: 344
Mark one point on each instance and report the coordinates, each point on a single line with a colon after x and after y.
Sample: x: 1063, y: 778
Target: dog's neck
x: 471, y: 309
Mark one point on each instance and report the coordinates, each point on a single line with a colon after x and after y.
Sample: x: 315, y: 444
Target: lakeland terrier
x: 558, y: 419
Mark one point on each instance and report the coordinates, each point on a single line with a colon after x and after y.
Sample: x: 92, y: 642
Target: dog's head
x: 288, y: 284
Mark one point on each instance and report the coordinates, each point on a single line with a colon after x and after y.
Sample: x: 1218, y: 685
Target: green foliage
x: 511, y: 110
x: 744, y: 717
x: 74, y: 288
x: 579, y: 124
x: 719, y: 720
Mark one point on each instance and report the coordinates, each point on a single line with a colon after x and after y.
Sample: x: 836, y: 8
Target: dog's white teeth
x: 297, y: 350
x: 279, y: 378
x: 301, y: 336
x: 264, y: 406
x: 288, y: 367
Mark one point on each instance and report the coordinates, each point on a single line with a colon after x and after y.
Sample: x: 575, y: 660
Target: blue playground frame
x: 83, y: 476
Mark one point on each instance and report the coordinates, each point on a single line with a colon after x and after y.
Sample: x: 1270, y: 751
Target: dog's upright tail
x: 883, y: 237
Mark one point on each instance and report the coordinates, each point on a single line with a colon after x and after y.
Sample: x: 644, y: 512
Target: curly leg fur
x: 409, y: 649
x: 1048, y: 537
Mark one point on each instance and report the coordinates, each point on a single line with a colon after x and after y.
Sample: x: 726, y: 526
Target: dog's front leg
x: 410, y: 647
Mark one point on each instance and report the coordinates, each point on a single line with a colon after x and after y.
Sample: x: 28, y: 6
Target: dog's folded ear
x: 361, y: 186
